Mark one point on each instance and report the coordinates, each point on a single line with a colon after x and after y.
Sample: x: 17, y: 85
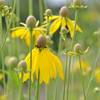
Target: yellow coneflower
x: 43, y: 62
x: 97, y: 75
x: 85, y: 67
x: 23, y: 32
x: 62, y: 21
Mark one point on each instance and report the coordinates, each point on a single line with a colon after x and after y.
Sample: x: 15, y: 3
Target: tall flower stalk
x: 30, y: 7
x: 38, y: 86
x: 41, y: 10
x: 68, y: 67
x: 82, y: 78
x: 2, y: 55
x: 30, y: 22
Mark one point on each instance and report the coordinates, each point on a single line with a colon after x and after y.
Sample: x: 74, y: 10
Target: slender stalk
x: 82, y: 78
x: 68, y: 77
x: 64, y: 90
x: 30, y: 50
x: 60, y: 45
x: 21, y: 87
x: 8, y: 26
x: 92, y: 74
x: 67, y: 70
x: 30, y: 7
x: 38, y: 87
x: 2, y: 55
x: 59, y: 50
x: 76, y: 17
x: 41, y: 10
x: 18, y: 10
x: 44, y: 4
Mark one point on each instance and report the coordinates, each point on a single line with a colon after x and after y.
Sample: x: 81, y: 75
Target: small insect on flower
x: 62, y: 21
x: 97, y: 75
x: 23, y: 31
x: 43, y: 62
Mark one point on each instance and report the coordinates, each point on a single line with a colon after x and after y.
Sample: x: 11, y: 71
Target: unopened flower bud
x: 31, y: 21
x: 48, y: 40
x: 22, y: 64
x: 12, y: 62
x: 41, y: 41
x: 48, y: 12
x: 77, y: 2
x: 77, y: 48
x: 63, y: 11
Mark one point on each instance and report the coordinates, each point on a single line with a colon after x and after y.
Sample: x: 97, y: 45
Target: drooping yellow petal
x: 53, y: 72
x: 18, y: 32
x: 23, y: 33
x: 45, y: 63
x: 44, y: 67
x: 27, y: 59
x: 64, y: 23
x: 51, y: 18
x: 25, y: 77
x: 58, y: 65
x: 71, y: 27
x: 55, y: 26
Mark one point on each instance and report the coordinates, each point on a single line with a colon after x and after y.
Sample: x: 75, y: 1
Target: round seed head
x: 41, y: 41
x: 12, y: 62
x: 63, y: 11
x: 31, y: 21
x: 22, y: 64
x: 48, y: 12
x: 77, y: 48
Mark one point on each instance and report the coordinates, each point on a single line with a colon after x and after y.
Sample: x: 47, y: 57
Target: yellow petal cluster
x: 60, y: 22
x: 23, y: 33
x: 45, y: 63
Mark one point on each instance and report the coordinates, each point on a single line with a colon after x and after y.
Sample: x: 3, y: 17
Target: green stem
x: 76, y: 17
x: 41, y: 10
x: 60, y: 45
x: 38, y: 87
x: 83, y: 88
x: 8, y: 26
x: 44, y: 4
x: 92, y: 74
x: 18, y: 10
x: 30, y: 7
x: 21, y: 87
x: 64, y: 90
x: 30, y: 50
x: 68, y: 77
x: 2, y: 54
x: 48, y: 25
